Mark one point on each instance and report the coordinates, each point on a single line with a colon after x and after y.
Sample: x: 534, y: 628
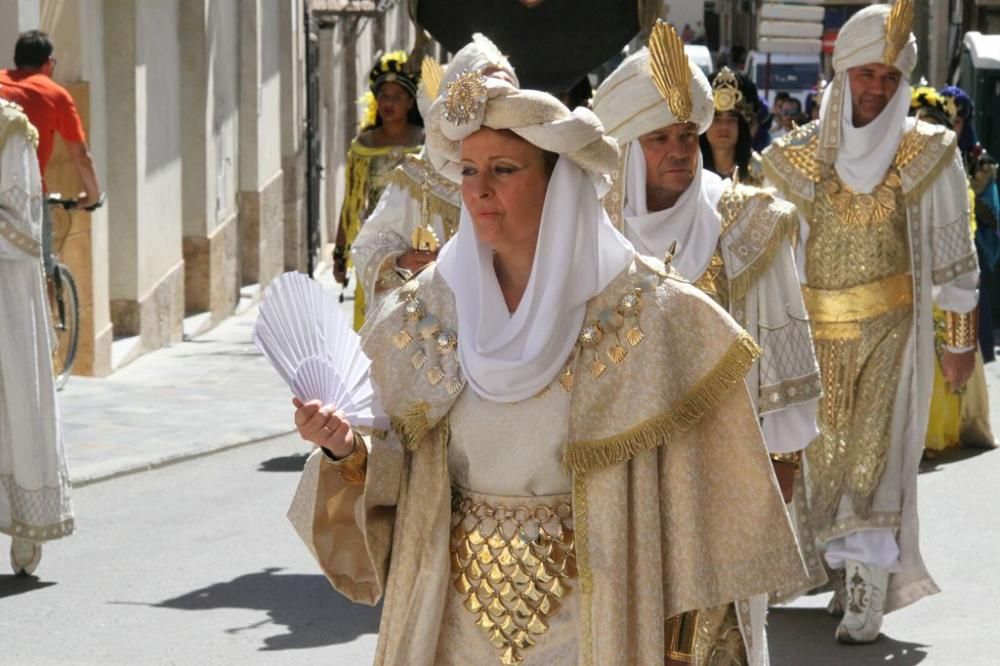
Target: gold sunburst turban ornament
x: 898, y: 25
x: 670, y: 70
x: 466, y: 96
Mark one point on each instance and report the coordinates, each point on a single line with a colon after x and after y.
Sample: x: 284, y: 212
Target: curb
x: 137, y: 467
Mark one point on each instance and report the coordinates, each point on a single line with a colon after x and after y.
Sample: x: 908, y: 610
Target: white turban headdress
x: 478, y: 55
x: 472, y: 101
x: 654, y: 87
x: 876, y: 34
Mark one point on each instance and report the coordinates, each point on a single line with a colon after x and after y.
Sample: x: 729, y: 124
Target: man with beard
x: 734, y: 242
x: 884, y: 236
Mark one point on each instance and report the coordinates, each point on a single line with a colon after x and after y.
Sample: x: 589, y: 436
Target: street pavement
x: 195, y: 563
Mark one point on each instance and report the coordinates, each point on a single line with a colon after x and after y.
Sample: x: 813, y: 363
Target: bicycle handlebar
x: 56, y: 199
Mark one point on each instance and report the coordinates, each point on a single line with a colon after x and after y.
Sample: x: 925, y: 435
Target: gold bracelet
x: 792, y: 458
x: 354, y: 466
x: 961, y: 330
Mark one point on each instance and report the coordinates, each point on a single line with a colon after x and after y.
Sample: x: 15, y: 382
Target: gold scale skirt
x: 513, y: 597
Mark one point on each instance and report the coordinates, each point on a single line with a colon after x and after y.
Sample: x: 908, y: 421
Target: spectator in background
x: 49, y: 107
x: 778, y: 129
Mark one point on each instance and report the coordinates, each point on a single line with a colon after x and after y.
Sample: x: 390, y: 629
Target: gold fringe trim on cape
x: 787, y: 228
x: 585, y: 456
x: 413, y: 424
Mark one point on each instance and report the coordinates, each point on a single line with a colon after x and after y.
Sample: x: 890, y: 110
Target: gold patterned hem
x: 849, y: 524
x: 710, y: 636
x: 22, y: 530
x: 512, y: 564
x: 790, y: 392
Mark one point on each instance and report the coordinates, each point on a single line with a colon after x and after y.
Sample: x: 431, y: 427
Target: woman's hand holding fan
x: 324, y: 427
x: 309, y: 341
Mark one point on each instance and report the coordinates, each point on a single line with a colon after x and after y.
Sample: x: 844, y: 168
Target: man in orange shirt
x: 49, y: 107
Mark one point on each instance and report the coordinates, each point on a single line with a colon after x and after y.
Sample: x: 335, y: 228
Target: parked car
x: 794, y: 73
x: 978, y: 74
x: 700, y: 56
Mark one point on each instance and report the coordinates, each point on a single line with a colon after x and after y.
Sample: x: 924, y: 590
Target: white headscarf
x: 508, y: 357
x: 692, y: 221
x: 630, y: 105
x: 865, y: 153
x: 862, y: 155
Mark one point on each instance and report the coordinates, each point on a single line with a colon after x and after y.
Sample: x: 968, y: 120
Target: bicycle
x: 64, y: 301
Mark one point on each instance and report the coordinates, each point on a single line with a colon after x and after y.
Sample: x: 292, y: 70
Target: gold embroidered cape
x: 943, y: 269
x: 674, y: 501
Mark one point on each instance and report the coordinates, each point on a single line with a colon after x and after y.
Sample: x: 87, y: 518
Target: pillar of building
x: 16, y: 16
x: 293, y: 147
x: 261, y: 183
x: 210, y: 55
x: 143, y: 91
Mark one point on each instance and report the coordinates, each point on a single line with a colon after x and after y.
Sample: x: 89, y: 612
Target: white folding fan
x: 309, y: 341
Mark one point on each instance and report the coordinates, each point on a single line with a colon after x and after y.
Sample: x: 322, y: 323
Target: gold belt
x: 860, y: 303
x: 511, y: 564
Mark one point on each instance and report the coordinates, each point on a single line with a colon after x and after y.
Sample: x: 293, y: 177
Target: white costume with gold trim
x: 623, y: 480
x: 734, y: 242
x: 944, y: 271
x: 34, y: 484
x: 416, y: 197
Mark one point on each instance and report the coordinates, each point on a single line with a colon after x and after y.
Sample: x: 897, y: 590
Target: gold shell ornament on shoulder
x: 465, y: 97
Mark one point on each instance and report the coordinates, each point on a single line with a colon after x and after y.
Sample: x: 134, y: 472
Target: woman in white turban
x: 563, y: 414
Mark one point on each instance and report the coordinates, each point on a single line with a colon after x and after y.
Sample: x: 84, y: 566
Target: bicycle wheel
x: 65, y: 308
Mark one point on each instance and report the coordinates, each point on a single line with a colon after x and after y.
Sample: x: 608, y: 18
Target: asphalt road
x: 197, y: 564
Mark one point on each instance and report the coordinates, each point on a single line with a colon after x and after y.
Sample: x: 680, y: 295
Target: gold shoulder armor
x: 922, y: 153
x: 796, y: 152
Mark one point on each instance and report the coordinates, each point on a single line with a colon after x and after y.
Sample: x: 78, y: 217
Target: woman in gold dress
x: 956, y: 417
x: 573, y: 458
x: 390, y: 130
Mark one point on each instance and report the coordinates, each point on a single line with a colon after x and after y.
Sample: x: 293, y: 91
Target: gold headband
x: 727, y: 95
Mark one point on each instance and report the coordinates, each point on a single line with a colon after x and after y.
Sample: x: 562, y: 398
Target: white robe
x: 34, y: 485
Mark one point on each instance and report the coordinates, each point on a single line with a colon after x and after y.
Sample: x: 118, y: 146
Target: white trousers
x: 876, y: 547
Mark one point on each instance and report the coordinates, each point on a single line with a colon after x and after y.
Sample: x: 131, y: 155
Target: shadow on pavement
x: 292, y: 463
x: 804, y: 637
x: 14, y: 585
x: 950, y: 456
x: 314, y: 614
